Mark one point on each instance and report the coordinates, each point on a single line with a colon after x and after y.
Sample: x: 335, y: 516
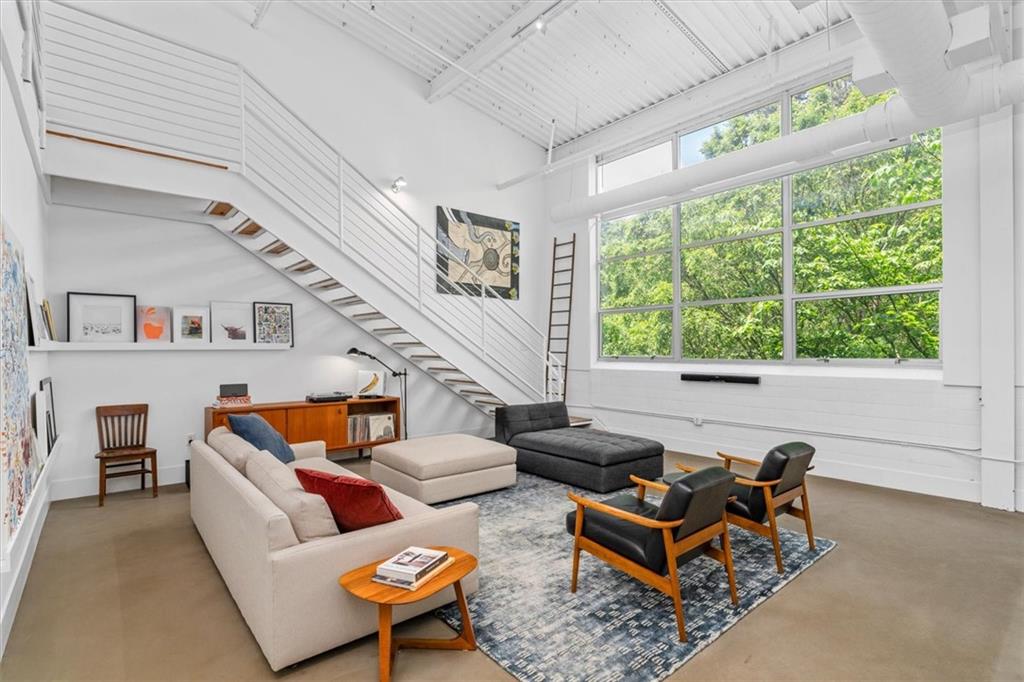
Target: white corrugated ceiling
x: 597, y: 61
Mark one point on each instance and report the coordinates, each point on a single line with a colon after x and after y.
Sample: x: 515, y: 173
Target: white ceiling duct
x: 910, y: 39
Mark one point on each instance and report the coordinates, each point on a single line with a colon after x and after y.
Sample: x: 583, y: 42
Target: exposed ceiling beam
x: 685, y: 29
x: 495, y: 44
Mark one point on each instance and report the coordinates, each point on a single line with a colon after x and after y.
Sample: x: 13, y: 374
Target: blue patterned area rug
x: 614, y: 627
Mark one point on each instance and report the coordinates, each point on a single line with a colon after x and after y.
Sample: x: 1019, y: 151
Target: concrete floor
x: 920, y: 588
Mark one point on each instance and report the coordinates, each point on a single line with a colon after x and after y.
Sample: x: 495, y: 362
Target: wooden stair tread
x: 370, y: 316
x: 276, y: 248
x: 303, y: 265
x: 347, y: 300
x: 250, y: 228
x: 408, y: 344
x: 425, y: 356
x: 221, y: 209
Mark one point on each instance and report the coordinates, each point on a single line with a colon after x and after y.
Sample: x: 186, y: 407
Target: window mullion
x: 788, y: 307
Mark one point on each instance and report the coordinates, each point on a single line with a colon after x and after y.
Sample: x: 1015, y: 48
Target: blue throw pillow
x: 256, y: 430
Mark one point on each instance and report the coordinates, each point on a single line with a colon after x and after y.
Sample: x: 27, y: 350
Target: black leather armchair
x: 779, y: 481
x: 650, y: 542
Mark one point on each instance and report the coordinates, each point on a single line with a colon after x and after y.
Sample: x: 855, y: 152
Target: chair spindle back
x: 122, y: 426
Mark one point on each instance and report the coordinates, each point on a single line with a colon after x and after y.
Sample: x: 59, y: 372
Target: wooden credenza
x: 301, y: 421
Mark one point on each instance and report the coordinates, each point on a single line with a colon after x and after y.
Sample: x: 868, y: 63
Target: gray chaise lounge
x: 589, y: 458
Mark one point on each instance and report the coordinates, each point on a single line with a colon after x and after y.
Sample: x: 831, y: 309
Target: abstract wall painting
x: 17, y: 460
x: 477, y: 250
x: 191, y: 324
x: 99, y: 318
x: 273, y: 323
x: 153, y: 323
x: 231, y: 323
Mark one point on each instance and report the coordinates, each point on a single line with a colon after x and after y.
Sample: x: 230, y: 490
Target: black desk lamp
x: 403, y: 376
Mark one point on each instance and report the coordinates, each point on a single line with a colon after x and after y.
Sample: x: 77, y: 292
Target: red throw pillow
x: 354, y: 502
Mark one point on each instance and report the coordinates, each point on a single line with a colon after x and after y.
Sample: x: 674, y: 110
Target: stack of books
x: 232, y: 400
x: 412, y: 567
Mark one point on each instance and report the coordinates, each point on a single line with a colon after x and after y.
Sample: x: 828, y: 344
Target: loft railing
x: 111, y: 82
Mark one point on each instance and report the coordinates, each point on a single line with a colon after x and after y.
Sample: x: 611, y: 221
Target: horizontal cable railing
x: 109, y: 82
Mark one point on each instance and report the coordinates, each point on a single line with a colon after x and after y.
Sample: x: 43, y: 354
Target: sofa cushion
x: 592, y: 446
x: 259, y: 432
x: 435, y: 456
x: 231, y: 447
x: 513, y: 419
x: 408, y: 506
x: 309, y: 514
x: 354, y: 502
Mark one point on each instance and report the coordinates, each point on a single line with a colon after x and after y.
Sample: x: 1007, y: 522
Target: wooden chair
x: 122, y: 436
x: 779, y: 481
x: 650, y: 542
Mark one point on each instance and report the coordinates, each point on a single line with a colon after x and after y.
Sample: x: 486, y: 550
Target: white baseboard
x: 16, y: 561
x: 88, y: 486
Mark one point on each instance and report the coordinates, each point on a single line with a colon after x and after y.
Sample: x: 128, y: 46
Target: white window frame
x: 788, y: 296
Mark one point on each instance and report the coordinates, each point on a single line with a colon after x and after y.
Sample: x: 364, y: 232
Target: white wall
x: 24, y: 211
x: 165, y: 262
x: 372, y: 110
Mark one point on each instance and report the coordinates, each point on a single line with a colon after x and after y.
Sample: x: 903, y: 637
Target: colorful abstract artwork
x: 18, y: 464
x: 153, y: 323
x: 476, y: 250
x: 273, y: 323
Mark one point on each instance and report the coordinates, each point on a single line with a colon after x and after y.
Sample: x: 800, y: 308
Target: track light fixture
x: 398, y: 184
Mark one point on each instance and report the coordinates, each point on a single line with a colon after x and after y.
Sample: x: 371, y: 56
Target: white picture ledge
x: 64, y: 346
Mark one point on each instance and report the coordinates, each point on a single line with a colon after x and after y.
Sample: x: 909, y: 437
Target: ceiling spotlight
x: 398, y: 184
x: 541, y: 25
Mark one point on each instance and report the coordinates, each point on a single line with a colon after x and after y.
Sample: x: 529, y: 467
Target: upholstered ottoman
x: 439, y: 468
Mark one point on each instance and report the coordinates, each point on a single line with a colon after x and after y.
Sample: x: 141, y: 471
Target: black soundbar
x: 723, y: 378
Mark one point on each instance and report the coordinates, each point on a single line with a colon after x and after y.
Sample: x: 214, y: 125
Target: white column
x: 996, y: 187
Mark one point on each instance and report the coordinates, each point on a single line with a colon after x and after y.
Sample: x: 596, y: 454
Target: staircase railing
x: 111, y: 82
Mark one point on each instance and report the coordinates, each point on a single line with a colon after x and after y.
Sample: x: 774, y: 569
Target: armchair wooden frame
x: 772, y: 502
x: 669, y: 584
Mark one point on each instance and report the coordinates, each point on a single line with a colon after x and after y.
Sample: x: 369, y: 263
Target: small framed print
x: 272, y: 323
x: 153, y: 323
x: 230, y: 323
x: 191, y: 324
x: 98, y: 318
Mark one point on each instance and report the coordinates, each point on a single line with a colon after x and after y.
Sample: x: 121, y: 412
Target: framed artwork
x: 231, y: 323
x: 191, y: 324
x: 477, y: 248
x: 51, y: 325
x: 17, y: 460
x: 370, y: 382
x: 153, y: 323
x: 97, y: 318
x: 50, y: 412
x: 38, y: 330
x: 272, y: 323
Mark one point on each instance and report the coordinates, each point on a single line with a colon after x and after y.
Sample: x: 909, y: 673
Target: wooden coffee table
x: 359, y: 583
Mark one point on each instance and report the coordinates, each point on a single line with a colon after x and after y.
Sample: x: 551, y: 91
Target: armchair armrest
x: 584, y: 503
x: 314, y: 448
x: 735, y: 458
x: 758, y: 484
x: 644, y: 483
x: 687, y: 469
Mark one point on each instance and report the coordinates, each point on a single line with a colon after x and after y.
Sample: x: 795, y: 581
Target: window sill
x: 931, y: 373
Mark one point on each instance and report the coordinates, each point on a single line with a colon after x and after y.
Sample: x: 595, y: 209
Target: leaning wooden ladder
x: 560, y: 310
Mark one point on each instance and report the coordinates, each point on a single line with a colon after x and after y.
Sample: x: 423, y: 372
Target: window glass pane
x: 740, y: 269
x: 640, y: 233
x: 738, y: 211
x: 884, y: 326
x: 889, y: 250
x: 904, y: 175
x: 635, y: 167
x: 641, y: 334
x: 728, y: 136
x: 637, y: 282
x: 733, y: 331
x: 831, y: 101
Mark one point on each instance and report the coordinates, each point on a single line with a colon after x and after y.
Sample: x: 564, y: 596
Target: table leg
x: 384, y: 637
x: 464, y: 641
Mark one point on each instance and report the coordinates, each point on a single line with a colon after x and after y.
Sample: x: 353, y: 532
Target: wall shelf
x: 64, y: 346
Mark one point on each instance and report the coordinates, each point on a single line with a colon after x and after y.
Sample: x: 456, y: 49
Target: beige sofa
x: 287, y: 590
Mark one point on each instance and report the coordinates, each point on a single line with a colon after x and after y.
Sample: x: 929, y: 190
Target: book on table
x: 412, y: 586
x: 411, y: 566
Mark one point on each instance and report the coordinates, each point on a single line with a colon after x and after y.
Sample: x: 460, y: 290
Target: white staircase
x: 127, y: 107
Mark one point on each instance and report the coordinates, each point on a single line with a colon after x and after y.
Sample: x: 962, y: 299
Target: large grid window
x: 842, y: 261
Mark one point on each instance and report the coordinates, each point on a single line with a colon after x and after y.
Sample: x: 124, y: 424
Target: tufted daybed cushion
x: 589, y: 445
